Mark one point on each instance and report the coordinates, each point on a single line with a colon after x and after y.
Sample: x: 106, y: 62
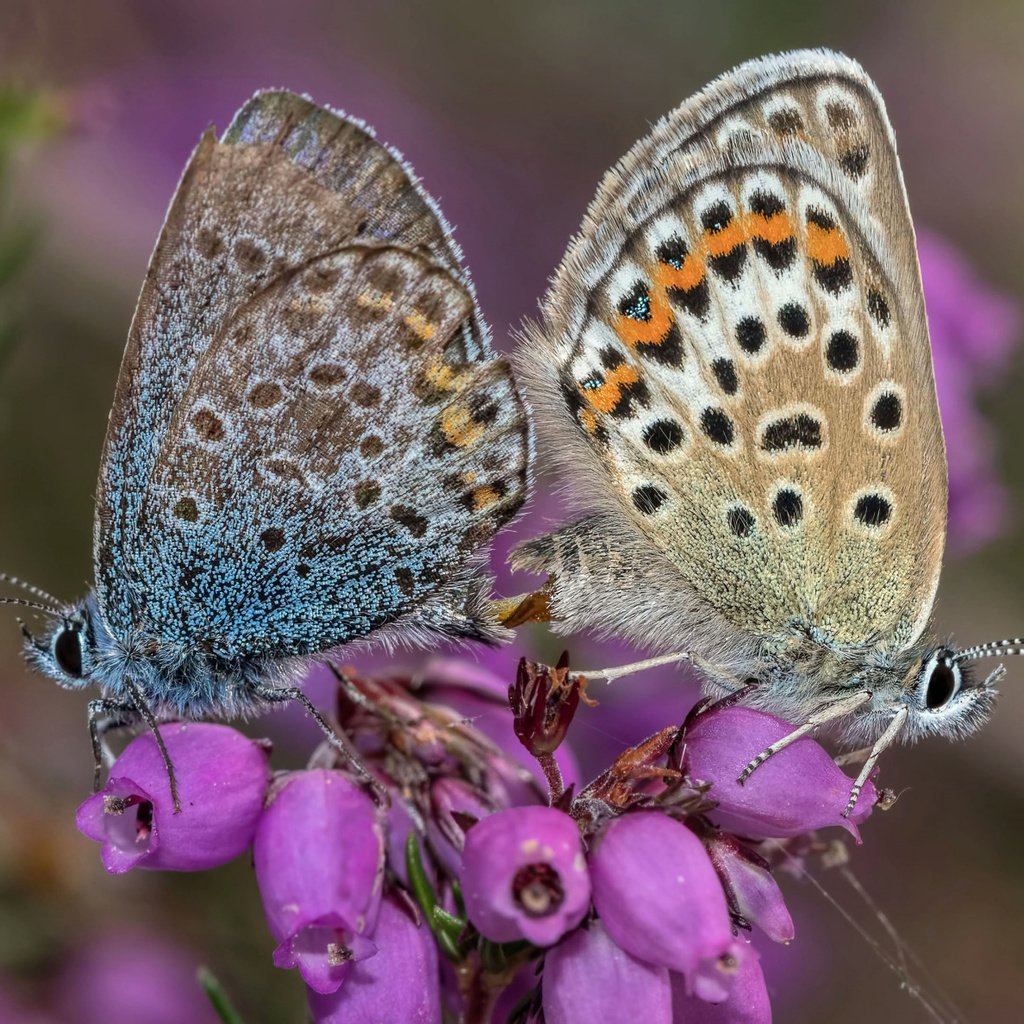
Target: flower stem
x: 553, y: 774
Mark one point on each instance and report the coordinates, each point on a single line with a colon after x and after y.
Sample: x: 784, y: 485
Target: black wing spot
x: 672, y: 252
x: 725, y: 373
x: 799, y: 431
x: 716, y: 217
x: 637, y: 303
x: 887, y: 412
x: 648, y: 499
x: 765, y: 204
x: 751, y: 334
x: 793, y: 319
x: 664, y: 436
x: 842, y: 353
x: 717, y: 425
x: 873, y: 510
x: 788, y: 507
x: 879, y: 308
x: 740, y: 520
x: 786, y: 121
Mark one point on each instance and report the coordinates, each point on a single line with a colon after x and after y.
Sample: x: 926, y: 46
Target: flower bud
x: 658, y: 895
x: 588, y: 978
x: 544, y: 701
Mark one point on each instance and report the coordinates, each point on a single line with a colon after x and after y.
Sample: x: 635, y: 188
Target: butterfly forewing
x: 743, y: 361
x: 325, y: 441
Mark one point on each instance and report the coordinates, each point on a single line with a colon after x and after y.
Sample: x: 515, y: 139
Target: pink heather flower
x: 798, y: 790
x: 319, y: 858
x: 127, y: 978
x: 974, y: 330
x: 588, y: 978
x: 750, y: 888
x: 524, y: 875
x: 398, y: 983
x: 222, y: 779
x: 659, y: 898
x: 746, y: 1003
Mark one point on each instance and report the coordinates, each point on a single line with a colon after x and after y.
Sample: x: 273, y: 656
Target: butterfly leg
x: 839, y: 709
x: 104, y: 716
x: 336, y: 739
x: 883, y: 741
x: 142, y: 709
x: 609, y: 674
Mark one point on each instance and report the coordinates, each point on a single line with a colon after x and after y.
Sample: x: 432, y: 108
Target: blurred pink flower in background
x: 130, y: 977
x: 975, y: 331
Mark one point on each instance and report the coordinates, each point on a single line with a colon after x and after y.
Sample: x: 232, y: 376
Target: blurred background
x: 510, y: 113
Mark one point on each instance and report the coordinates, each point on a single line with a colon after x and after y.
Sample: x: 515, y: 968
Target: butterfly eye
x: 941, y: 683
x: 67, y: 649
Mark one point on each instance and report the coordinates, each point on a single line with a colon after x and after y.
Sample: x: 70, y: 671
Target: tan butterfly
x: 734, y: 374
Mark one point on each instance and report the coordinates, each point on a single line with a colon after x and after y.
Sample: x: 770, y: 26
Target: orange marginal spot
x: 374, y: 298
x: 609, y: 394
x: 440, y: 376
x: 826, y: 245
x: 420, y: 326
x: 652, y: 331
x: 685, y: 278
x: 484, y: 497
x: 774, y: 229
x: 459, y: 427
x: 718, y: 243
x: 589, y: 421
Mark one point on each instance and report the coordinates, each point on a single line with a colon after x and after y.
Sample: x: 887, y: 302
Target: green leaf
x: 419, y: 882
x: 219, y: 1000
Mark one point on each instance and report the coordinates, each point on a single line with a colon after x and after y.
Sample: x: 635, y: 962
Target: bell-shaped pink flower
x: 746, y: 1001
x: 524, y: 875
x: 222, y: 779
x: 797, y: 790
x: 750, y: 887
x: 319, y: 858
x: 588, y: 978
x: 659, y: 898
x: 397, y: 985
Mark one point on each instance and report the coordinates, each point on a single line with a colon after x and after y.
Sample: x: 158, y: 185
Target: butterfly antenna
x: 33, y: 590
x: 993, y: 649
x: 21, y: 602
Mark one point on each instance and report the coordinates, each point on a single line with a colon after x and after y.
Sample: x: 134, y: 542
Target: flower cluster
x: 441, y: 876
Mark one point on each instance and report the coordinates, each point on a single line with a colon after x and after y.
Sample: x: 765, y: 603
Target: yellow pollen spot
x: 459, y: 427
x: 530, y: 845
x: 420, y: 326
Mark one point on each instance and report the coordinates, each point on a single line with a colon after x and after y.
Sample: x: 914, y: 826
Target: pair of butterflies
x: 312, y: 441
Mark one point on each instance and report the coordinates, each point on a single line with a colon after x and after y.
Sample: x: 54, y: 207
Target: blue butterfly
x: 311, y: 442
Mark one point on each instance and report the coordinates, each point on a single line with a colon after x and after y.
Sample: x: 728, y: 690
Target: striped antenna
x: 21, y: 602
x: 34, y: 591
x: 993, y: 649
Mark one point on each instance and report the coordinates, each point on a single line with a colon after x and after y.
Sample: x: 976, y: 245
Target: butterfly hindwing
x: 326, y: 441
x: 743, y: 363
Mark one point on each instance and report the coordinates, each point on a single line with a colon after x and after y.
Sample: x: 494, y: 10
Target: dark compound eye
x: 67, y: 649
x: 942, y: 685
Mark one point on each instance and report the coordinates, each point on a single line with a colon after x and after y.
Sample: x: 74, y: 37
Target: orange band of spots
x: 826, y: 245
x: 609, y: 394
